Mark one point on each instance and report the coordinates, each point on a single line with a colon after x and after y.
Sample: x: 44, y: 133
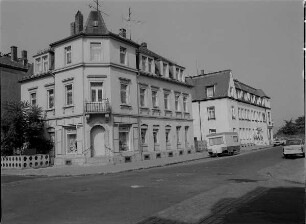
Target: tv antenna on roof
x: 129, y: 20
x: 97, y: 7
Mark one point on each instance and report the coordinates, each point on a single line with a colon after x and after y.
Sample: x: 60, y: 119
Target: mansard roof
x: 249, y: 89
x: 219, y: 79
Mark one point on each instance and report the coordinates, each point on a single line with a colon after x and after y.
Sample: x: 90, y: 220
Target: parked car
x: 294, y: 147
x: 278, y: 142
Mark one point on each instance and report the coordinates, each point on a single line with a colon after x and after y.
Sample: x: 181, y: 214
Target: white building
x: 221, y: 103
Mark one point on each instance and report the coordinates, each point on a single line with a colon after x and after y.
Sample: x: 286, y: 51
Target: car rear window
x: 293, y: 142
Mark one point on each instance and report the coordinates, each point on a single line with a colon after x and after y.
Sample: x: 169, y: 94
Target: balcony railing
x: 97, y: 107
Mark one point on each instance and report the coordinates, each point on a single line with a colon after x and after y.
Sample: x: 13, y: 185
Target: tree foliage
x: 22, y: 127
x: 293, y: 127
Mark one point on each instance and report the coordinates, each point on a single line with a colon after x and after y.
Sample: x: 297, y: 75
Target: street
x: 136, y: 196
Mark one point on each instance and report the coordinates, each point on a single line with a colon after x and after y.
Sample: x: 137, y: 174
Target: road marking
x: 136, y: 186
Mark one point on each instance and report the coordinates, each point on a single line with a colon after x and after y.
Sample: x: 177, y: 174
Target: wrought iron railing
x: 97, y: 107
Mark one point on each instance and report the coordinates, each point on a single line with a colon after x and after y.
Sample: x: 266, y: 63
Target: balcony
x: 97, y: 107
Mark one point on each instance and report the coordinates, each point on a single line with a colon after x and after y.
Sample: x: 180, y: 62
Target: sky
x: 260, y: 41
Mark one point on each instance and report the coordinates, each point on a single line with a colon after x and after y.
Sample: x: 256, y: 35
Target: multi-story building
x: 223, y: 104
x: 12, y: 69
x: 104, y: 97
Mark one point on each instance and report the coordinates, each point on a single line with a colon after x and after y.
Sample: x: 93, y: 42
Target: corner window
x: 68, y: 55
x: 124, y: 137
x: 210, y: 91
x: 166, y: 100
x: 33, y: 98
x: 154, y: 99
x: 45, y: 63
x: 124, y: 93
x: 96, y: 89
x: 95, y: 52
x: 123, y: 55
x: 211, y: 113
x: 68, y: 89
x: 50, y: 93
x: 71, y: 138
x: 233, y: 113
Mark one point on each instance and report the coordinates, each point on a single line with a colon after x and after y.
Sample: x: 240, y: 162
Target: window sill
x: 156, y: 108
x: 50, y: 109
x: 168, y: 111
x: 125, y: 106
x: 144, y: 108
x: 68, y: 106
x: 178, y: 112
x: 211, y: 119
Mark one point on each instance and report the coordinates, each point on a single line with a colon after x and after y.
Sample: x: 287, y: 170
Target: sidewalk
x: 110, y: 168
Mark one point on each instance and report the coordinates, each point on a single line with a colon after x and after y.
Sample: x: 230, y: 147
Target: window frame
x: 31, y: 98
x: 71, y: 131
x: 48, y: 98
x: 66, y: 94
x: 211, y: 109
x: 45, y: 61
x: 68, y: 55
x: 121, y: 129
x: 121, y: 50
x: 177, y: 105
x: 96, y: 88
x: 213, y: 91
x: 155, y: 101
x: 144, y: 95
x: 167, y: 99
x: 93, y: 50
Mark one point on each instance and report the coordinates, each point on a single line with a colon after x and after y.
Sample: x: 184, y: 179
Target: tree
x: 300, y: 124
x: 22, y: 127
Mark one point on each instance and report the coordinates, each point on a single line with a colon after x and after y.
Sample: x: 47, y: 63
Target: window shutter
x: 116, y: 137
x: 135, y: 139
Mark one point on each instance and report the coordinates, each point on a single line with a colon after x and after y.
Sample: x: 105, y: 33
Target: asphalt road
x: 125, y: 197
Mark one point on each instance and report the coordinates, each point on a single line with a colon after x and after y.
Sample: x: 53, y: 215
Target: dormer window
x: 68, y: 55
x: 45, y: 63
x: 95, y: 23
x: 150, y: 61
x: 143, y: 62
x: 38, y: 67
x: 210, y: 91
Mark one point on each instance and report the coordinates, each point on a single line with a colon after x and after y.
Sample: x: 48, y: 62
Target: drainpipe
x: 200, y: 121
x: 138, y: 117
x: 84, y: 133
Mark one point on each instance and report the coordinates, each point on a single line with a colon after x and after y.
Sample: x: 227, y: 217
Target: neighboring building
x: 223, y: 104
x: 90, y: 87
x: 12, y: 69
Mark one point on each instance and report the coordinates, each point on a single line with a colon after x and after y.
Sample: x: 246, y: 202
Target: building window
x: 210, y: 91
x: 177, y: 73
x: 155, y: 136
x: 235, y: 138
x: 69, y: 89
x: 95, y: 52
x: 233, y: 113
x: 45, y: 64
x: 168, y: 134
x: 211, y: 113
x: 68, y: 55
x: 96, y: 89
x: 50, y: 98
x: 33, y: 98
x: 38, y: 67
x: 166, y: 100
x: 123, y: 55
x: 186, y: 135
x: 143, y: 61
x: 165, y: 69
x: 143, y: 97
x: 71, y: 141
x: 143, y: 133
x: 124, y: 137
x: 185, y: 104
x: 177, y: 103
x: 154, y: 99
x: 124, y: 93
x: 211, y: 131
x: 178, y: 128
x: 150, y: 65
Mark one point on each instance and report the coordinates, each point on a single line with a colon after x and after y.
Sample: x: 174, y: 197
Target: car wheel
x: 303, y: 154
x: 285, y: 156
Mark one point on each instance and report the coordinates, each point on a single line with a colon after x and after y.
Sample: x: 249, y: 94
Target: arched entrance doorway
x: 97, y: 135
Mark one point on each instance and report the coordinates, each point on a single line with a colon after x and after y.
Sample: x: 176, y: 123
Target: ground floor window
x: 168, y: 129
x: 71, y: 141
x: 212, y: 131
x: 124, y: 137
x: 143, y: 134
x: 178, y: 128
x: 155, y: 135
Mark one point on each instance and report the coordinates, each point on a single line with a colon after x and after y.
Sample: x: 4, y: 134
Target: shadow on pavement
x: 280, y: 205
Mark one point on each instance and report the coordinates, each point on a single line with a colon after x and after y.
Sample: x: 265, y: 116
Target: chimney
x: 202, y: 72
x: 78, y: 22
x: 72, y: 28
x: 122, y: 32
x: 144, y: 45
x: 24, y: 57
x: 13, y: 53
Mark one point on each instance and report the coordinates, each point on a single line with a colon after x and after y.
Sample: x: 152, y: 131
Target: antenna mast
x: 129, y: 20
x: 97, y: 7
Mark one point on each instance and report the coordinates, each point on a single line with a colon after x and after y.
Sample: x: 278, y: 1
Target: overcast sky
x: 260, y: 41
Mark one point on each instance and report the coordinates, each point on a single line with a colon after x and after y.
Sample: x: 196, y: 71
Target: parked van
x: 223, y: 143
